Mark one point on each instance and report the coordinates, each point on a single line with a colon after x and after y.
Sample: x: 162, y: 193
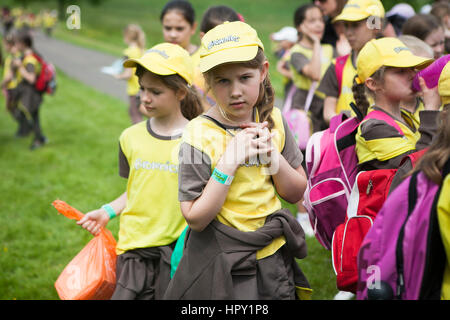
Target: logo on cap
x: 350, y: 5
x: 399, y: 49
x: 223, y: 40
x: 162, y: 53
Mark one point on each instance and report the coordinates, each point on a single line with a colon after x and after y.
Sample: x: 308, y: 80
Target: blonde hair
x: 135, y: 34
x: 433, y: 161
x: 266, y: 97
x: 191, y: 105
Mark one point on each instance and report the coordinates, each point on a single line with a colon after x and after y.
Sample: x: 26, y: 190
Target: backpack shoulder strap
x: 380, y: 115
x: 339, y: 68
x: 414, y: 157
x: 38, y: 57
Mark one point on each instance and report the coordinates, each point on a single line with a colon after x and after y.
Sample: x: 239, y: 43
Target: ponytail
x: 265, y: 102
x: 359, y: 94
x: 191, y: 105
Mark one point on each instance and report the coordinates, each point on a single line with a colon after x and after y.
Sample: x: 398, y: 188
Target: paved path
x: 82, y: 64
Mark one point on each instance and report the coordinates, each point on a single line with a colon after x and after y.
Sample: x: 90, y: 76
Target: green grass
x: 79, y: 166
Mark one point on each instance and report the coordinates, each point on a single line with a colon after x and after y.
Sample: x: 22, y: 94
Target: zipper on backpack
x: 369, y: 187
x: 400, y: 285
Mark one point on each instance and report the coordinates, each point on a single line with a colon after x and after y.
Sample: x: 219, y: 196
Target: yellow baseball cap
x: 356, y: 10
x: 165, y: 59
x: 389, y: 52
x: 228, y: 42
x: 444, y: 84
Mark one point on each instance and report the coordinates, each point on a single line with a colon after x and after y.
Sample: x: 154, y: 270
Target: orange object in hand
x: 91, y: 275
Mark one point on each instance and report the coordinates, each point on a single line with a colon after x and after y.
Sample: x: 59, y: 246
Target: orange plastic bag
x: 91, y: 275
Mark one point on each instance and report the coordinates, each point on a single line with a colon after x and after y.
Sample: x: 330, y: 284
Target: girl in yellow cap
x: 234, y: 159
x: 362, y: 23
x: 385, y: 69
x: 150, y: 217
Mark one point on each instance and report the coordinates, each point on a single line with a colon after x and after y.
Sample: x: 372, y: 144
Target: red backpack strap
x: 414, y: 157
x: 339, y: 68
x: 38, y: 57
x: 380, y: 115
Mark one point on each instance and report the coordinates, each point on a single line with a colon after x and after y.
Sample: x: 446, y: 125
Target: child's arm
x: 330, y: 87
x: 7, y: 79
x: 290, y: 183
x: 312, y: 69
x: 329, y: 108
x: 281, y: 67
x: 201, y: 211
x: 125, y: 75
x: 95, y: 220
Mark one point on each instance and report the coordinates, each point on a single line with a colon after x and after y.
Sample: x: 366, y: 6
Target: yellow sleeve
x: 443, y: 211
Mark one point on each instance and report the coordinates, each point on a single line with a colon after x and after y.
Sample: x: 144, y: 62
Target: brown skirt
x: 143, y: 274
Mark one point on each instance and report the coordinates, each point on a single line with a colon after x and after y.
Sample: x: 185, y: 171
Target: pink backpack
x: 332, y: 166
x: 402, y: 255
x: 298, y: 120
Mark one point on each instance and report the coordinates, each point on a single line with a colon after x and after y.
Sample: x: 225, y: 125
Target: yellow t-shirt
x: 443, y: 212
x: 133, y: 52
x: 199, y: 80
x: 303, y: 82
x: 415, y: 115
x: 346, y: 94
x: 152, y: 216
x: 251, y: 196
x: 29, y: 59
x: 7, y: 68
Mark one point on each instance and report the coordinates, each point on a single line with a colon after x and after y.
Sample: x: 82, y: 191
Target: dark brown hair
x: 432, y: 162
x: 421, y: 25
x: 266, y: 97
x: 183, y: 7
x: 191, y: 105
x: 216, y: 15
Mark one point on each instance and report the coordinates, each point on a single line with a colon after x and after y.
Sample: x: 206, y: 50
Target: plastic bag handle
x: 67, y: 210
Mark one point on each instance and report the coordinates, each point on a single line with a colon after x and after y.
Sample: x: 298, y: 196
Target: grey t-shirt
x: 195, y: 166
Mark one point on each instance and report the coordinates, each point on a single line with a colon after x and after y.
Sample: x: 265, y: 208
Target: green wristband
x: 222, y: 177
x: 109, y: 210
